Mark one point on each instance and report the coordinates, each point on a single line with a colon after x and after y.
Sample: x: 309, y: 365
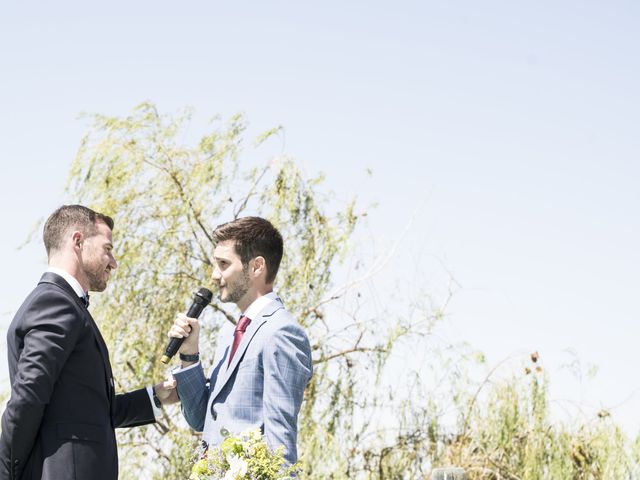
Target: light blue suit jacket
x: 262, y: 388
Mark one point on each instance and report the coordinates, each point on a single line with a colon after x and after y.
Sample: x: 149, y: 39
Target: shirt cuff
x: 156, y: 411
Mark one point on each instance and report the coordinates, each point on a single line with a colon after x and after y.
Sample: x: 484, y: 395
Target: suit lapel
x: 50, y: 277
x: 226, y: 373
x: 104, y: 352
x: 102, y: 346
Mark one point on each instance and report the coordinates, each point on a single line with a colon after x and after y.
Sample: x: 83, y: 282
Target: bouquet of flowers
x: 245, y: 457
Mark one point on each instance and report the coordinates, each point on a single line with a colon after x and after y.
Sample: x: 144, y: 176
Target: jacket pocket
x: 81, y: 431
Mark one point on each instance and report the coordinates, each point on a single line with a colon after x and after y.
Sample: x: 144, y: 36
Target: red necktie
x: 241, y: 327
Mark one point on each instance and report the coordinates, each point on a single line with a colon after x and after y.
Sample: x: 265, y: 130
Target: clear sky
x: 507, y: 130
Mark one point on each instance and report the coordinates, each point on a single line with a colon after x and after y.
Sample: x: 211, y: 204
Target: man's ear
x: 259, y: 265
x: 77, y: 238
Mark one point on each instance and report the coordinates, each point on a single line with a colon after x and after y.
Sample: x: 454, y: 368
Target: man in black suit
x: 60, y: 419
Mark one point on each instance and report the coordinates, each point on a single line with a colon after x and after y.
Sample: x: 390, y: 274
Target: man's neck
x: 72, y: 269
x: 245, y: 302
x: 70, y: 279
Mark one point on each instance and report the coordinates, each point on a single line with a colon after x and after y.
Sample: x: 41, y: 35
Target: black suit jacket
x: 60, y: 419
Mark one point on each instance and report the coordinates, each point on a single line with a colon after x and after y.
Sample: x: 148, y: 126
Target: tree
x: 363, y: 417
x: 166, y: 198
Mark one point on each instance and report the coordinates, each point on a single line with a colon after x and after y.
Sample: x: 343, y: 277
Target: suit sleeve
x: 287, y: 369
x: 133, y: 409
x: 193, y: 390
x: 51, y: 329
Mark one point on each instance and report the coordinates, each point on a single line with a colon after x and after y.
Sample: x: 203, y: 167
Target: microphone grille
x: 205, y: 294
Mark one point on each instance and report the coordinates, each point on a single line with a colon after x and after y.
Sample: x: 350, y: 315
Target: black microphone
x: 202, y: 299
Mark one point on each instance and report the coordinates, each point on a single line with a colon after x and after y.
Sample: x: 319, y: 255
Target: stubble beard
x: 96, y: 276
x: 238, y: 289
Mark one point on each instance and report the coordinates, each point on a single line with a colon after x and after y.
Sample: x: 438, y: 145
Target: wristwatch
x: 190, y: 358
x: 156, y: 400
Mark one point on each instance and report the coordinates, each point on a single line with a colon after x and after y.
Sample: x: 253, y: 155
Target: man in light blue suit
x: 263, y: 364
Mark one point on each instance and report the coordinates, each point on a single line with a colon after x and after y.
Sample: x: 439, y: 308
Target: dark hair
x: 71, y: 217
x: 253, y: 236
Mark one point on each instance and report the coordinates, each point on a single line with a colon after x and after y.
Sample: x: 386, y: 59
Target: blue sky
x: 506, y: 130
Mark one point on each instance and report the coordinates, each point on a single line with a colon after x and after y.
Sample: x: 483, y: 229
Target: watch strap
x: 190, y: 358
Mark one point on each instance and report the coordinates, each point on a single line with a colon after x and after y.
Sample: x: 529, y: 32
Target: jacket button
x: 17, y: 462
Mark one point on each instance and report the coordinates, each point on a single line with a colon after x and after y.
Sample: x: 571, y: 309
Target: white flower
x: 237, y: 468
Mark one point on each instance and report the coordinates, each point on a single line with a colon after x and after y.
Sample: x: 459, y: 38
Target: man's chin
x: 100, y: 287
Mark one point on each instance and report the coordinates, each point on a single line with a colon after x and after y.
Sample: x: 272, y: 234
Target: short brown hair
x: 71, y: 216
x: 253, y: 236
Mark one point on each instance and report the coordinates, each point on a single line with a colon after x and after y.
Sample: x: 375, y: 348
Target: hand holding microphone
x: 186, y: 327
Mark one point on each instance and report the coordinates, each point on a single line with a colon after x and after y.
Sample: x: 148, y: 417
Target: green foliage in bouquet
x: 245, y: 457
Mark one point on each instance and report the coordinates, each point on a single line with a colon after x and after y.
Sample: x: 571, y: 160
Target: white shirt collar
x: 258, y: 304
x: 71, y: 280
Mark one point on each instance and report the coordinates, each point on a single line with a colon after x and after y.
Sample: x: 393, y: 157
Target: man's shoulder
x: 283, y: 323
x: 53, y: 286
x: 279, y: 312
x: 278, y: 317
x: 50, y: 293
x: 44, y: 298
x: 47, y: 292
